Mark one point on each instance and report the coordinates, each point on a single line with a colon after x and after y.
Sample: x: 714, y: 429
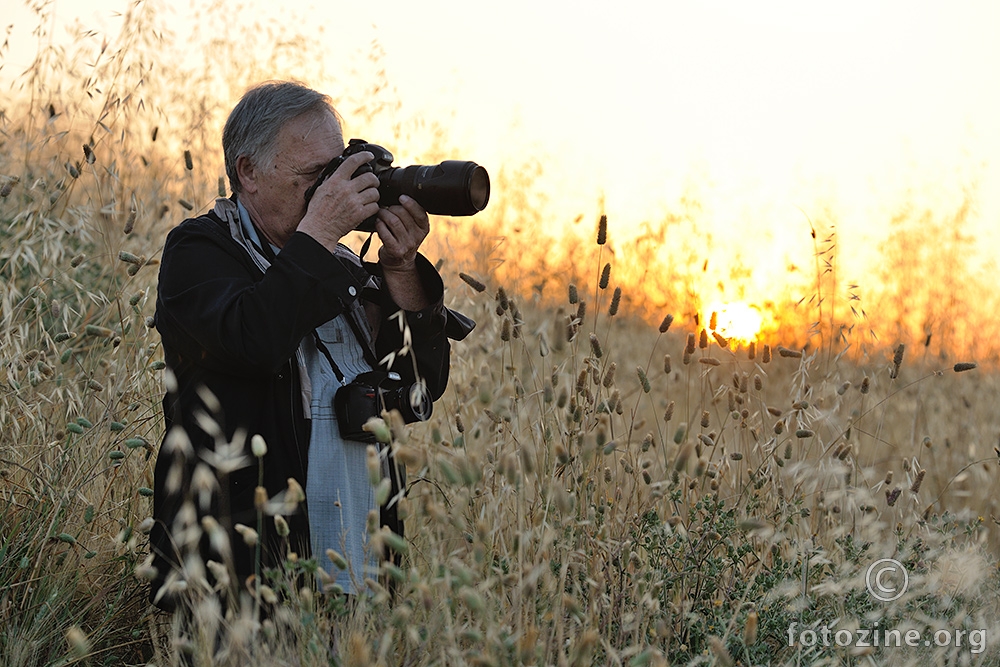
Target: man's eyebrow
x: 312, y: 168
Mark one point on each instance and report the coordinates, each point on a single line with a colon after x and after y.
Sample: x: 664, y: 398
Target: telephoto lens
x: 453, y: 187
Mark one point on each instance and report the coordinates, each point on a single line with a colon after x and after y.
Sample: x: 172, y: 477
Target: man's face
x: 274, y: 191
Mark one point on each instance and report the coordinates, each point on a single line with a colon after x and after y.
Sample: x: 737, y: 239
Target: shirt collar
x: 251, y: 231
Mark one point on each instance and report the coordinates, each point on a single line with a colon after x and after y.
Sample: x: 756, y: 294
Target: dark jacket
x: 233, y: 330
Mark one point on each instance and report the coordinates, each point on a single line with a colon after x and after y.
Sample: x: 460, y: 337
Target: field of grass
x: 606, y: 481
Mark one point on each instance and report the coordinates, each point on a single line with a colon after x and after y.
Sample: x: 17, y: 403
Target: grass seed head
x: 249, y: 535
x: 379, y: 428
x: 683, y: 456
x: 595, y: 346
x: 382, y: 491
x: 528, y: 458
x: 750, y: 629
x: 78, y: 641
x: 130, y: 258
x: 643, y: 379
x: 217, y: 536
x: 260, y: 498
x: 472, y: 282
x: 258, y: 446
x: 616, y: 299
x: 100, y: 332
x: 294, y: 494
x: 502, y: 300
x: 338, y: 561
x: 897, y: 355
x: 268, y: 595
x: 373, y: 465
x: 609, y: 375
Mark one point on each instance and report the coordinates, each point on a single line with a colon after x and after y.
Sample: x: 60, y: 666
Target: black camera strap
x: 365, y: 246
x: 329, y: 357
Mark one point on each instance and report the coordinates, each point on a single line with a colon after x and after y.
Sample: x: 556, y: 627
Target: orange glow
x: 739, y: 322
x: 771, y: 153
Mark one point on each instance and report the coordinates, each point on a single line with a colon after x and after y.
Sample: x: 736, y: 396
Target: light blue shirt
x: 338, y: 491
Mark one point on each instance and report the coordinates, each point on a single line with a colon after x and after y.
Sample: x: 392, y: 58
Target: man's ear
x: 247, y: 173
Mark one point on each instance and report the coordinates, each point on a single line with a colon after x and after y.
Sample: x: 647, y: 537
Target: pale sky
x: 764, y: 111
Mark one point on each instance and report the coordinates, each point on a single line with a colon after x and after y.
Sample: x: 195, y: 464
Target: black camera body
x: 453, y: 187
x: 374, y: 392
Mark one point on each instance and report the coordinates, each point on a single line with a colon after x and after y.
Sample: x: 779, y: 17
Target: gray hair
x: 253, y: 125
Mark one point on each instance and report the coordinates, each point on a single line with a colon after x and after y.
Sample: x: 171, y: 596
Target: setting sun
x: 737, y: 321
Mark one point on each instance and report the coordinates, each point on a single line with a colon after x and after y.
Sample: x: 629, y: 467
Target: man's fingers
x: 391, y: 227
x: 368, y: 193
x: 364, y: 184
x: 415, y: 210
x: 385, y: 234
x: 351, y: 164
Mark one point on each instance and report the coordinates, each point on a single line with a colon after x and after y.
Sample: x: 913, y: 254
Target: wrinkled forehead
x: 312, y: 127
x: 312, y: 136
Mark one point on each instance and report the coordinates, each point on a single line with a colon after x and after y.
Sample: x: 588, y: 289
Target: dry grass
x: 606, y: 481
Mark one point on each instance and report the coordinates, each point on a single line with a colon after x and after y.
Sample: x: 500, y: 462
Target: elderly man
x: 264, y: 315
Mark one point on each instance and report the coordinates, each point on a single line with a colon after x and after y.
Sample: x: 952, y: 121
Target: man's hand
x: 402, y: 228
x: 341, y: 203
